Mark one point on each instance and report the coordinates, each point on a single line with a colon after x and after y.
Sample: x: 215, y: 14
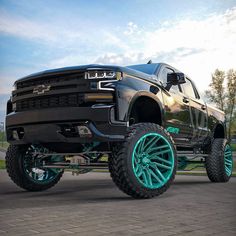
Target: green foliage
x: 2, y: 164
x: 2, y: 136
x: 217, y: 92
x: 233, y: 146
x: 4, y: 145
x: 222, y: 93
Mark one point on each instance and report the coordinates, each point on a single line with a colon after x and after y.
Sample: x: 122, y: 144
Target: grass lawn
x: 2, y: 164
x: 202, y: 168
x: 233, y: 146
x: 4, y: 145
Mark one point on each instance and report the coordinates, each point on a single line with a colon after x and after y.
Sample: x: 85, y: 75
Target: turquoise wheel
x: 32, y: 166
x: 219, y: 164
x: 228, y: 160
x: 144, y: 165
x: 24, y: 167
x: 153, y: 160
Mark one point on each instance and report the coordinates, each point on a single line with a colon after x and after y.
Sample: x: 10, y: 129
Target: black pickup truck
x: 141, y: 121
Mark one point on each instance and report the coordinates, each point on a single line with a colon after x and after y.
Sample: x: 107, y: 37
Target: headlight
x: 92, y: 74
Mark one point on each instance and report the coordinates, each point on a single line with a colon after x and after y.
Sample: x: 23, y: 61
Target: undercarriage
x: 83, y: 162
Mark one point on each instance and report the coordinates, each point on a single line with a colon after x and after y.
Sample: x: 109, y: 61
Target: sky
x: 195, y: 36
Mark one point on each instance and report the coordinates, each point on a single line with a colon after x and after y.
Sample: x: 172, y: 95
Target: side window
x: 163, y: 78
x: 188, y: 89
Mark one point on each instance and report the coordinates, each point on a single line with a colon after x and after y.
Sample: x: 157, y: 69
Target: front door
x: 177, y: 112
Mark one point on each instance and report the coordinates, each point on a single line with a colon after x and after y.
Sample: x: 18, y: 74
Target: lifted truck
x: 148, y: 119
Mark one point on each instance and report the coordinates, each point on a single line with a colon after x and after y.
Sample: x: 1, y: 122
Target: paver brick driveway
x: 91, y: 204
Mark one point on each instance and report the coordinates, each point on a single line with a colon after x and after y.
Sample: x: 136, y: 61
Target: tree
x: 231, y: 99
x: 223, y: 95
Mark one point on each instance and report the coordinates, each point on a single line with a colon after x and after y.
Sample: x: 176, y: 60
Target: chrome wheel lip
x: 148, y: 165
x: 228, y: 160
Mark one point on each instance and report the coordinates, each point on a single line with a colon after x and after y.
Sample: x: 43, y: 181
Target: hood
x: 82, y: 68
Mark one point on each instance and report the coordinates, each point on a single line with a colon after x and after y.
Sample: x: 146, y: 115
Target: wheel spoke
x: 139, y: 174
x: 157, y: 154
x: 162, y: 165
x: 135, y: 161
x: 151, y: 143
x: 227, y: 169
x: 155, y: 176
x: 144, y: 178
x: 228, y: 161
x: 149, y: 178
x: 140, y: 146
x: 160, y: 174
x: 139, y: 170
x: 158, y: 148
x: 160, y: 159
x: 228, y: 154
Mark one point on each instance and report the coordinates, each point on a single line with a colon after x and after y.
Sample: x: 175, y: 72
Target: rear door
x: 198, y: 110
x: 177, y: 112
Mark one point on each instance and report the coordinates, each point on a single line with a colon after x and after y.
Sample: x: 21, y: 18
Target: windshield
x: 146, y: 68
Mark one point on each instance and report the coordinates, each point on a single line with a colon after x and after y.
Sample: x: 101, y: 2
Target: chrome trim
x: 106, y: 81
x: 101, y: 106
x: 87, y: 74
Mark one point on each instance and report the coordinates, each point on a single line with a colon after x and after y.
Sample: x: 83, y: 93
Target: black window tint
x: 163, y: 74
x: 163, y: 78
x: 188, y: 89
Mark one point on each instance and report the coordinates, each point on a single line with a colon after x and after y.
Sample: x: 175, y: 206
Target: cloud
x: 196, y: 47
x: 121, y: 59
x: 131, y: 29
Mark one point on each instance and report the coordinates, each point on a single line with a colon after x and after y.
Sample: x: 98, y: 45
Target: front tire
x: 144, y: 165
x: 22, y: 168
x: 219, y: 165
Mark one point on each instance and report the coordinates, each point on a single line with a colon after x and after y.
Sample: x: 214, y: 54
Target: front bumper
x: 59, y: 125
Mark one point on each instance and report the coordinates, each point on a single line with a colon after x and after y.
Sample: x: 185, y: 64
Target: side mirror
x: 176, y: 78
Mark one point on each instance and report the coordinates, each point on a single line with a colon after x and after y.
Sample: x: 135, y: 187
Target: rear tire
x: 17, y: 159
x: 144, y: 165
x: 219, y: 165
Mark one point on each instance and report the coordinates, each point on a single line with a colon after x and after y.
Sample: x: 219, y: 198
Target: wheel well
x: 145, y: 109
x: 219, y: 131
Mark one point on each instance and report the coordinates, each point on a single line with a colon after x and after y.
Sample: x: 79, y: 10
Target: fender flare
x: 149, y: 95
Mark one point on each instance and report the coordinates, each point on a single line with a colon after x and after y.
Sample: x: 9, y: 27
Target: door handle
x: 203, y: 107
x: 185, y: 100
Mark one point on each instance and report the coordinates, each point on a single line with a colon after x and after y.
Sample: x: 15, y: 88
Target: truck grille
x: 47, y: 80
x: 67, y: 100
x: 66, y: 90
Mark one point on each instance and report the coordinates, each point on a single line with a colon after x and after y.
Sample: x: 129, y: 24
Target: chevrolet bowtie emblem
x: 41, y: 89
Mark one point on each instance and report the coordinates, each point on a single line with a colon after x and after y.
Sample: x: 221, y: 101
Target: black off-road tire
x: 120, y: 162
x: 15, y: 169
x: 215, y: 165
